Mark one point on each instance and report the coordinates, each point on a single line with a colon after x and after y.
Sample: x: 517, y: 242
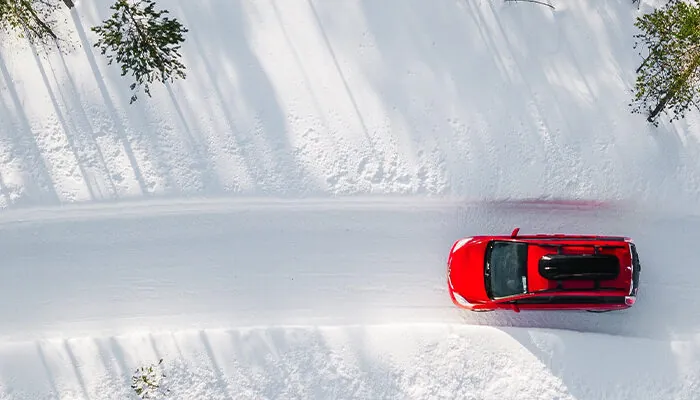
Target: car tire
x: 481, y: 311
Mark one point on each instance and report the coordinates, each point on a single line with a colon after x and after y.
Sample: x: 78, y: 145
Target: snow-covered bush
x: 147, y: 382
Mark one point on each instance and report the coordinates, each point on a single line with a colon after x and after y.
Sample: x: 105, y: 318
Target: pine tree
x: 143, y: 41
x: 32, y: 19
x: 669, y: 76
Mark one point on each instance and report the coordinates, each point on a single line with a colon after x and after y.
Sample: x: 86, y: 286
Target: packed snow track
x: 235, y: 263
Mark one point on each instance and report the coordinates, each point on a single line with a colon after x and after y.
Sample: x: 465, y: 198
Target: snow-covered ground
x: 301, y: 98
x: 276, y: 226
x: 324, y: 299
x: 396, y: 361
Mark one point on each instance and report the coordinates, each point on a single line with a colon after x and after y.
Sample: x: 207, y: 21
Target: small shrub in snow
x: 147, y: 381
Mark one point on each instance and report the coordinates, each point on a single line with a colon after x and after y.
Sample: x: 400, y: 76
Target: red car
x: 543, y: 272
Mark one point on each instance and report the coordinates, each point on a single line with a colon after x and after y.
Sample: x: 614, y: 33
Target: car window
x: 506, y: 269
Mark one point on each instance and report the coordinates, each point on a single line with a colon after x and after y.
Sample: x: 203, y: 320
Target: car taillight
x: 629, y: 300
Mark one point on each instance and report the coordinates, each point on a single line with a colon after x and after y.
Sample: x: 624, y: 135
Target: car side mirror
x: 514, y: 233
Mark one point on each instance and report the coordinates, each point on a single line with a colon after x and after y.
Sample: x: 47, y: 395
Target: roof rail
x: 596, y: 247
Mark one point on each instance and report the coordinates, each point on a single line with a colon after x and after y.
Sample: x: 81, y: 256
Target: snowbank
x: 358, y: 362
x: 485, y: 99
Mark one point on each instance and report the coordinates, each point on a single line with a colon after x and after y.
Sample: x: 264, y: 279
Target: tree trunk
x: 671, y: 93
x: 659, y: 107
x: 652, y: 51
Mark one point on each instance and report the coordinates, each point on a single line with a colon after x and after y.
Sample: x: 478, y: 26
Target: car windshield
x: 506, y: 269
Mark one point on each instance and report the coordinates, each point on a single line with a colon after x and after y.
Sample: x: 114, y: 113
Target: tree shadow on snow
x: 512, y: 99
x: 593, y: 366
x: 120, y: 126
x: 256, y: 128
x: 288, y: 362
x: 37, y: 180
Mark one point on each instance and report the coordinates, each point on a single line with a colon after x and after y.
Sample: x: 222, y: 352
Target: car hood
x: 467, y: 269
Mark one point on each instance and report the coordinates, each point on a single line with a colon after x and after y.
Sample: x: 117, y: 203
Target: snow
x: 301, y: 98
x: 277, y: 225
x: 340, y: 298
x: 368, y: 362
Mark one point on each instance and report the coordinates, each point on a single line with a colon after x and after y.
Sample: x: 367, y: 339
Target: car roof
x: 581, y: 265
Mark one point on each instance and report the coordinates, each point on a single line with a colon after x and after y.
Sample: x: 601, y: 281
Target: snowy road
x: 104, y: 270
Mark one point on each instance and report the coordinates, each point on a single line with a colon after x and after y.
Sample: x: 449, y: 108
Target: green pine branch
x: 144, y: 42
x: 31, y: 19
x: 668, y: 76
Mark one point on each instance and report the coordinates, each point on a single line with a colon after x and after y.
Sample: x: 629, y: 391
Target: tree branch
x: 151, y: 47
x: 673, y: 90
x: 41, y: 23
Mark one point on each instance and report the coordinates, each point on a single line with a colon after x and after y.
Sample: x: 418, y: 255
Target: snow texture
x: 486, y: 99
x: 277, y: 225
x: 359, y: 362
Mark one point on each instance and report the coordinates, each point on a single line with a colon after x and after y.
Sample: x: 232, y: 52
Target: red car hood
x: 467, y: 270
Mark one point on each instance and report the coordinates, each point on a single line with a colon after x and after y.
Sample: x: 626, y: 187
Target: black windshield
x: 506, y: 269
